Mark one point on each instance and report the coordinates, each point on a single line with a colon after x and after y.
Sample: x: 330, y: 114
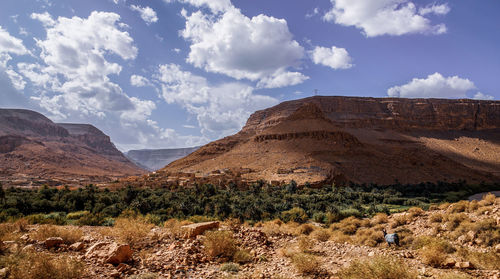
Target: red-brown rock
x: 193, y: 230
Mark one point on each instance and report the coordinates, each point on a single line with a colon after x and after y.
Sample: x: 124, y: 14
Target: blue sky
x: 179, y: 73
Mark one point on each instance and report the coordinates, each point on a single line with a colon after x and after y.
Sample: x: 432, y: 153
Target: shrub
x: 271, y: 228
x: 340, y: 237
x: 321, y: 235
x: 230, y: 267
x: 242, y: 257
x: 433, y: 250
x: 415, y: 212
x: 379, y: 267
x: 41, y: 266
x: 488, y: 199
x: 422, y: 241
x: 379, y: 218
x: 400, y: 220
x: 220, y: 244
x: 174, y: 228
x: 295, y: 214
x: 91, y: 219
x: 369, y: 237
x: 319, y: 217
x: 486, y: 260
x: 306, y: 264
x: 305, y: 229
x: 56, y: 218
x: 436, y: 218
x: 348, y: 226
x: 305, y: 244
x: 76, y: 215
x: 69, y: 234
x: 130, y: 230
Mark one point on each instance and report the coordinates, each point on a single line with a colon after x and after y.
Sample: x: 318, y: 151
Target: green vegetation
x: 93, y: 206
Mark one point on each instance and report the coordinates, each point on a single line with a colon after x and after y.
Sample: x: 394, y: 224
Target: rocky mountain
x: 34, y: 147
x: 363, y: 140
x: 154, y: 159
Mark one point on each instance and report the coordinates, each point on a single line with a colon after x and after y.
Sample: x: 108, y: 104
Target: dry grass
x: 486, y: 231
x: 415, y: 212
x: 12, y: 231
x: 321, y: 235
x: 400, y: 220
x: 436, y: 218
x: 378, y: 268
x: 242, y: 257
x: 340, y: 237
x: 305, y: 229
x: 379, y: 218
x: 174, y: 230
x: 349, y: 225
x: 454, y: 275
x: 488, y: 199
x: 453, y: 220
x: 433, y: 251
x: 41, y: 266
x: 220, y: 244
x: 369, y: 237
x: 461, y: 206
x: 488, y: 260
x: 130, y: 230
x: 69, y: 234
x: 305, y: 244
x: 306, y: 264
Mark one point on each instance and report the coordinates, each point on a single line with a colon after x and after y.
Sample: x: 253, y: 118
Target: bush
x: 230, y: 267
x: 321, y: 235
x: 91, y: 219
x: 436, y: 218
x: 379, y: 218
x: 174, y: 228
x: 488, y: 199
x: 486, y: 260
x: 295, y: 214
x: 378, y: 268
x: 220, y: 244
x: 130, y: 230
x: 242, y: 257
x: 76, y: 215
x: 305, y: 229
x: 347, y: 226
x: 69, y: 234
x: 415, y: 212
x: 369, y: 237
x: 305, y: 244
x: 433, y: 251
x: 41, y: 266
x: 306, y: 264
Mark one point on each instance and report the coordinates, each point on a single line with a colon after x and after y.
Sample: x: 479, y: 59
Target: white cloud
x: 435, y: 9
x: 314, y: 12
x: 258, y: 48
x: 147, y: 13
x: 282, y: 79
x: 10, y: 44
x: 481, y: 96
x: 334, y: 57
x: 385, y: 17
x: 434, y: 86
x: 16, y: 79
x: 215, y: 6
x: 220, y: 109
x: 139, y: 81
x: 45, y: 19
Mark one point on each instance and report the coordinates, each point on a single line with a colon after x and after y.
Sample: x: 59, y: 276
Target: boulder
x: 53, y: 242
x: 464, y: 265
x: 193, y: 230
x: 110, y: 252
x: 77, y: 246
x: 449, y: 262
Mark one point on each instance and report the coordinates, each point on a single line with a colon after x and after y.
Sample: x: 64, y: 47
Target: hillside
x: 363, y: 140
x: 35, y: 149
x: 155, y: 159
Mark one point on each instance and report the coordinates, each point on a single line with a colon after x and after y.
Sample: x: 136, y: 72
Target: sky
x: 181, y: 73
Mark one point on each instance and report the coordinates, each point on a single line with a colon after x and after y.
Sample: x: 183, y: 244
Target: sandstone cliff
x: 363, y: 140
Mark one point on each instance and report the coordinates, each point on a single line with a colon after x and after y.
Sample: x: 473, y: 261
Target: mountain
x: 34, y: 147
x: 364, y: 140
x: 154, y: 159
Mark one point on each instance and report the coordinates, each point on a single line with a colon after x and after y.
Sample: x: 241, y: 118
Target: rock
x: 449, y: 262
x: 371, y: 254
x: 112, y: 253
x: 193, y: 230
x: 4, y: 272
x: 11, y: 246
x: 497, y: 248
x: 29, y: 247
x: 478, y: 241
x: 25, y: 237
x: 53, y: 242
x: 471, y: 235
x: 464, y: 265
x: 115, y: 274
x: 119, y: 253
x: 77, y: 246
x: 461, y: 239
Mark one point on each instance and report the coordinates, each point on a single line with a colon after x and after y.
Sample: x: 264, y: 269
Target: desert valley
x: 162, y: 139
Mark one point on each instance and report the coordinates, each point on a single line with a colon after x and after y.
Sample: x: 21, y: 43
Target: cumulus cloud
x: 334, y: 57
x: 147, y: 13
x: 386, y: 17
x: 481, y: 96
x: 45, y: 18
x: 10, y: 44
x: 260, y: 48
x: 139, y: 81
x: 220, y: 109
x: 216, y: 6
x: 434, y: 86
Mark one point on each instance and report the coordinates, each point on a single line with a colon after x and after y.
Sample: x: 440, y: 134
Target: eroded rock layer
x: 365, y: 140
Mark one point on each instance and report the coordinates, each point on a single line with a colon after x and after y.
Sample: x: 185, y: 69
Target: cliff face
x: 31, y: 145
x: 364, y: 140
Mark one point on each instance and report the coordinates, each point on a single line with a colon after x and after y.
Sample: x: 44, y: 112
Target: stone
x: 449, y: 262
x: 464, y: 265
x: 77, y: 246
x: 478, y: 241
x: 115, y: 274
x: 4, y: 272
x: 29, y: 247
x: 25, y: 237
x: 371, y: 254
x: 53, y: 242
x: 119, y: 253
x: 193, y: 230
x: 471, y: 235
x: 497, y: 248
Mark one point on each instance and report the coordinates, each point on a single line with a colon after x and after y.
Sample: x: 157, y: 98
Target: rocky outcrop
x: 33, y: 147
x: 321, y: 140
x: 193, y: 230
